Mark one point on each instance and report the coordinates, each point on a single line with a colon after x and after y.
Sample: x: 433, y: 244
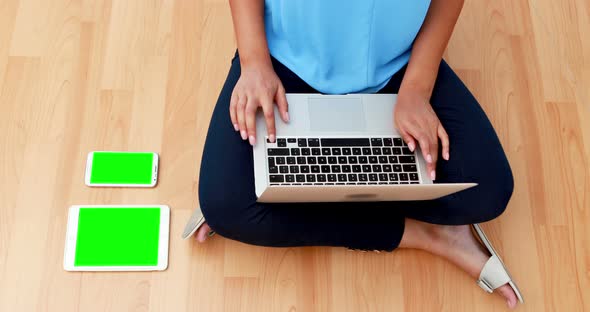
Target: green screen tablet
x: 117, y: 238
x: 131, y: 169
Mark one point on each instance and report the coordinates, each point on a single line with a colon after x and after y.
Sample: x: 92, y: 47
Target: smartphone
x: 122, y: 169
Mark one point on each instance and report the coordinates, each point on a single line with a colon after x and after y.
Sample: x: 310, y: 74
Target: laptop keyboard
x: 340, y: 161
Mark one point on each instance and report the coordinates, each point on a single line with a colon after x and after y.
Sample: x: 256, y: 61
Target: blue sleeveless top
x: 343, y: 46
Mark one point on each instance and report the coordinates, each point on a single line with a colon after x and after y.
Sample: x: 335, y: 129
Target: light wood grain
x: 83, y: 75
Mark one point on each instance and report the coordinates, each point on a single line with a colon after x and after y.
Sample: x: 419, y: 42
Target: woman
x: 332, y: 46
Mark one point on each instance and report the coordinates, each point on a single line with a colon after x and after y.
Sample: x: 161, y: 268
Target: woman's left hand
x: 417, y: 122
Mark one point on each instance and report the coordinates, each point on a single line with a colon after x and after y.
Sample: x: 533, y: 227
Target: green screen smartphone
x: 117, y: 238
x: 122, y: 169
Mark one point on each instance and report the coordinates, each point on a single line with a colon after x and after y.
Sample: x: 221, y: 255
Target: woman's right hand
x: 258, y: 86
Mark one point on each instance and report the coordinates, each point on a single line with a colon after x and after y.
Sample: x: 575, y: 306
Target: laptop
x: 340, y: 148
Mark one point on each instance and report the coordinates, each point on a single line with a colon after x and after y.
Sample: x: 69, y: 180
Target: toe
x: 508, y: 294
x: 202, y: 233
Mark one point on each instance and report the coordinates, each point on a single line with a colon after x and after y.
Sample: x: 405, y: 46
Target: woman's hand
x: 417, y: 122
x: 258, y: 86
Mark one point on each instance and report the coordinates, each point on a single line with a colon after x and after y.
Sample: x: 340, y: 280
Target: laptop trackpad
x: 336, y: 115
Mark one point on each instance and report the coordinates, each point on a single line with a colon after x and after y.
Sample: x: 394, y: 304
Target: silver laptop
x: 340, y: 148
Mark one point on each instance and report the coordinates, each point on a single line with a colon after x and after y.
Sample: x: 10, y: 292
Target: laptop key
x: 332, y: 177
x: 356, y: 151
x: 386, y: 151
x: 356, y: 168
x: 322, y: 160
x: 346, y: 151
x: 290, y: 178
x: 396, y: 151
x: 335, y: 168
x: 305, y: 151
x: 366, y: 151
x: 373, y: 177
x: 313, y: 142
x: 393, y: 159
x: 383, y: 177
x: 397, y: 141
x: 387, y: 142
x: 276, y: 178
x: 410, y: 168
x: 414, y: 176
x: 342, y: 178
x: 301, y: 160
x: 352, y: 160
x: 345, y: 142
x: 295, y: 152
x: 273, y: 169
x: 407, y: 151
x: 271, y: 161
x: 363, y: 160
x: 407, y: 159
x: 393, y: 177
x: 283, y: 169
x: 336, y: 151
x: 277, y: 152
x: 291, y: 140
x: 376, y: 151
x: 280, y: 160
x: 346, y: 168
x: 300, y: 178
x: 366, y: 168
x: 321, y: 178
x: 383, y: 159
x: 311, y: 160
x: 342, y: 160
x: 376, y: 168
x: 373, y: 159
x: 281, y: 143
x: 363, y: 177
x: 332, y: 160
x: 315, y: 169
x: 294, y: 169
x: 325, y: 169
x: 302, y: 142
x: 310, y: 177
x: 376, y: 142
x: 352, y: 177
x: 403, y: 177
x: 316, y: 151
x: 291, y: 161
x: 386, y: 168
x: 326, y: 151
x: 397, y: 168
x: 304, y: 169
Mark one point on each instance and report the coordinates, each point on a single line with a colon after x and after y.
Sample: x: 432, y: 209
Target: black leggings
x: 228, y: 200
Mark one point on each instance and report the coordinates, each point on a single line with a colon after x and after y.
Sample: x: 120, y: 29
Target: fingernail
x: 271, y: 138
x: 287, y: 118
x: 429, y: 158
x: 433, y: 175
x: 446, y: 156
x: 236, y: 127
x: 411, y: 146
x: 244, y: 135
x: 252, y: 140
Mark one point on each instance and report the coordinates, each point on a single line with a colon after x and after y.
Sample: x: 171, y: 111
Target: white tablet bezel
x: 155, y: 161
x: 72, y: 233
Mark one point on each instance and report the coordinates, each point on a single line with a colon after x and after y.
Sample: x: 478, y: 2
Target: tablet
x: 117, y: 238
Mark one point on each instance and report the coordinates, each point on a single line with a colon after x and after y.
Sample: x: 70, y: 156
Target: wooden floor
x: 83, y: 75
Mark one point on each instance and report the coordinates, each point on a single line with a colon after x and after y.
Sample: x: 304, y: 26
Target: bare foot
x: 455, y: 243
x: 203, y: 233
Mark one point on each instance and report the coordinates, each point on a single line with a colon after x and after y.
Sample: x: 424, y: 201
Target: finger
x: 269, y: 117
x: 434, y: 155
x: 233, y: 103
x: 425, y: 147
x: 408, y: 139
x: 250, y: 113
x: 240, y: 111
x: 281, y: 99
x: 444, y: 140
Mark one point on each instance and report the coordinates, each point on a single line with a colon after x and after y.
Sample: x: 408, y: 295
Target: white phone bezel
x: 72, y: 233
x: 155, y: 161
